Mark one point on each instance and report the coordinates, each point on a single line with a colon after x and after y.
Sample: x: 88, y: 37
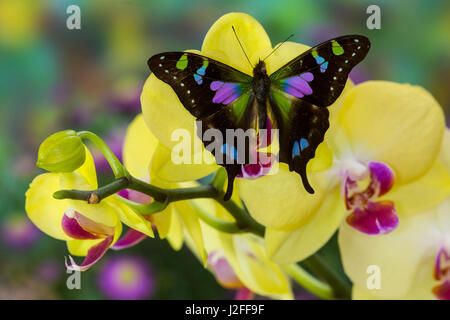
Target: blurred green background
x: 52, y: 78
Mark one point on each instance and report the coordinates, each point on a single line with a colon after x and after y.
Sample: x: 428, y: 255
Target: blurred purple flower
x: 49, y: 271
x: 127, y: 278
x: 126, y: 97
x: 18, y: 232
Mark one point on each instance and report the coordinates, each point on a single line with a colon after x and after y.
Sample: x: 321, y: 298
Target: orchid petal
x: 284, y: 247
x: 289, y: 205
x: 384, y: 120
x: 130, y: 239
x: 94, y: 254
x: 399, y: 255
x: 74, y: 230
x: 43, y: 210
x: 138, y: 148
x: 220, y: 42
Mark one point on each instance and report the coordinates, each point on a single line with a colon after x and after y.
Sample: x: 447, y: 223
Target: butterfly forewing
x: 203, y: 85
x: 319, y: 75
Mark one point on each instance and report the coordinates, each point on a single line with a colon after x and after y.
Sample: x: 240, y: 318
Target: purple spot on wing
x: 216, y: 85
x: 226, y: 93
x: 231, y: 98
x: 290, y: 90
x: 297, y: 86
x: 308, y: 76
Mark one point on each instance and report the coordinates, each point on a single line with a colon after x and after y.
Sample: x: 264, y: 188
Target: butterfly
x: 293, y: 99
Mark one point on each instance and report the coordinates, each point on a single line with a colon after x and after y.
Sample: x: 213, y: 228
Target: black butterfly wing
x: 218, y: 95
x: 302, y: 128
x: 325, y: 68
x: 300, y: 91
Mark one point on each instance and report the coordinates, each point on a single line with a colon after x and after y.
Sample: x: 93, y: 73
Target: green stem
x: 308, y: 282
x: 156, y: 193
x: 216, y: 223
x: 342, y: 289
x: 219, y: 179
x: 206, y: 191
x: 144, y: 209
x: 94, y: 196
x: 242, y: 218
x: 116, y: 166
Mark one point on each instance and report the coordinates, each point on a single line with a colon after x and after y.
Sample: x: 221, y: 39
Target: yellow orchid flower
x: 164, y: 114
x: 146, y: 158
x: 88, y: 229
x: 412, y: 261
x: 384, y: 166
x: 239, y: 261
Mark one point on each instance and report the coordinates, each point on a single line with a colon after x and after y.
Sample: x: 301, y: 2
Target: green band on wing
x: 336, y: 47
x: 183, y: 62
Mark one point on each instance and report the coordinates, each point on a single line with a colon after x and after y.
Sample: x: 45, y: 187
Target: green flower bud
x: 63, y: 151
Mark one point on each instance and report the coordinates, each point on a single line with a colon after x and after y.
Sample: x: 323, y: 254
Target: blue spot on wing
x: 295, y: 149
x: 198, y: 79
x: 303, y: 144
x: 324, y: 66
x: 319, y: 59
x: 198, y: 75
x: 226, y: 150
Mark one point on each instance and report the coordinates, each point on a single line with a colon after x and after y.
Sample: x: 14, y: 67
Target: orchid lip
x: 441, y: 273
x: 93, y: 256
x: 369, y: 215
x: 80, y: 227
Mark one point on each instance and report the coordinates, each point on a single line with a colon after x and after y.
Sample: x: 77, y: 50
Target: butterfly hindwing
x: 302, y: 128
x: 318, y: 75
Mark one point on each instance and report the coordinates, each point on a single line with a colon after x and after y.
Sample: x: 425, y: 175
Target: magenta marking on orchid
x: 130, y: 239
x: 375, y: 218
x: 223, y: 271
x: 244, y: 294
x: 73, y: 229
x: 260, y: 168
x: 368, y: 215
x: 383, y: 175
x: 93, y: 256
x: 441, y: 272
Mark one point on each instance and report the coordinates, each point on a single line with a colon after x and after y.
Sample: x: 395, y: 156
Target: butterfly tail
x: 299, y: 166
x: 232, y: 172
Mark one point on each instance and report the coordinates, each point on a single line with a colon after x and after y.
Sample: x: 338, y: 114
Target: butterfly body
x: 261, y: 90
x: 293, y: 99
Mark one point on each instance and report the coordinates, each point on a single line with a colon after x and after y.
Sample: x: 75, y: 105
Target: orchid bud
x: 63, y: 151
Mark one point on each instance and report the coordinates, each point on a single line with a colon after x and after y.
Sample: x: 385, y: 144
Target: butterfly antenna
x: 277, y: 47
x: 232, y: 27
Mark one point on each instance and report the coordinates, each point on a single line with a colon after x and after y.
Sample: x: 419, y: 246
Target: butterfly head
x: 260, y: 69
